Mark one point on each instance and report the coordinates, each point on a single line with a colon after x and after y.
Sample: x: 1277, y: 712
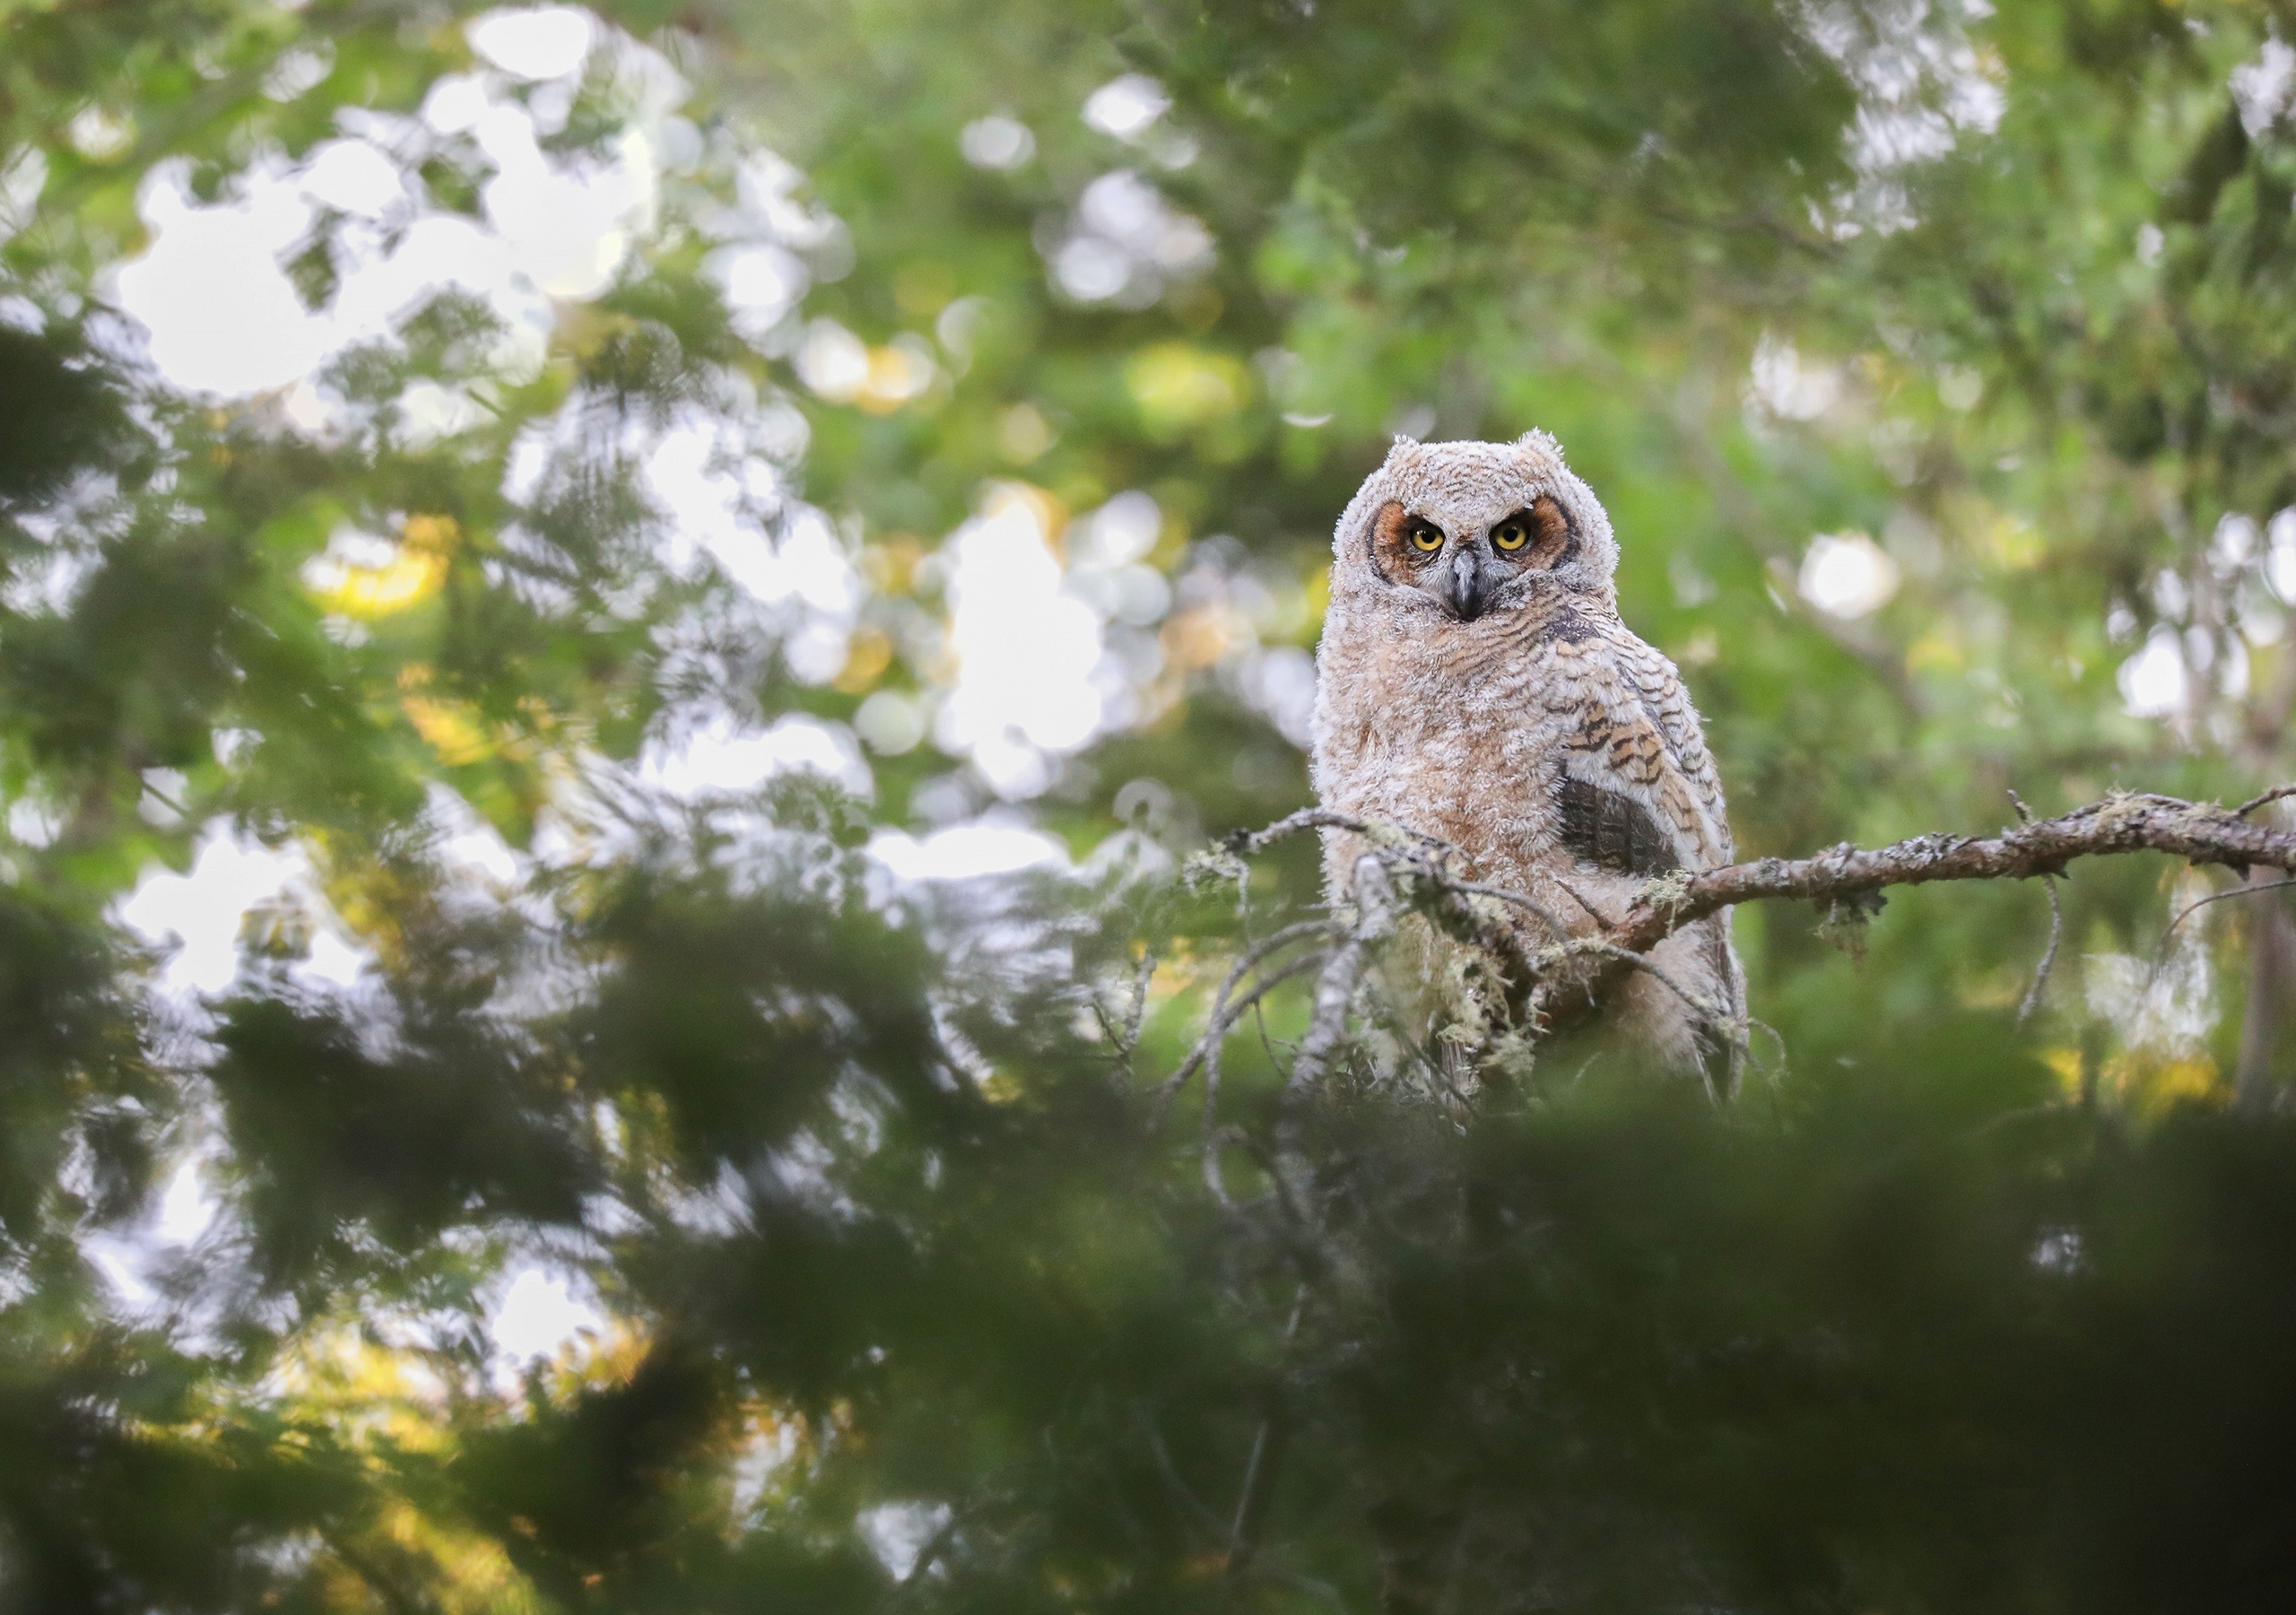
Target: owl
x: 1475, y: 683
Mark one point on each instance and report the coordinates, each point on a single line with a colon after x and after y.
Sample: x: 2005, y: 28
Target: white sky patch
x: 226, y: 321
x: 353, y: 176
x: 542, y: 1311
x: 2233, y: 542
x: 2154, y: 682
x: 720, y: 495
x: 428, y: 411
x: 566, y: 228
x: 131, y: 1258
x: 225, y: 318
x: 722, y: 758
x: 466, y: 844
x: 767, y: 1449
x: 898, y: 1532
x: 1846, y: 574
x: 1026, y: 650
x: 195, y: 916
x: 534, y: 42
x: 768, y: 184
x: 997, y: 142
x: 760, y: 284
x: 892, y: 723
x: 1786, y: 386
x: 1106, y: 553
x: 299, y: 71
x: 966, y: 852
x: 833, y: 361
x: 1128, y: 106
x: 1921, y: 84
x: 20, y: 184
x: 2280, y: 555
x: 1126, y: 243
x: 100, y: 134
x: 717, y: 498
x: 2263, y: 88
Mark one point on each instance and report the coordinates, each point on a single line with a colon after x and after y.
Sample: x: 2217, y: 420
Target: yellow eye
x: 1510, y: 534
x: 1426, y: 538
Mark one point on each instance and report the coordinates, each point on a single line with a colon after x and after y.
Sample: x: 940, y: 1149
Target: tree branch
x: 1557, y: 986
x: 2201, y: 832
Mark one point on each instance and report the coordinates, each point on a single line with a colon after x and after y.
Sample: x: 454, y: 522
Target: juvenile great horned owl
x: 1475, y: 683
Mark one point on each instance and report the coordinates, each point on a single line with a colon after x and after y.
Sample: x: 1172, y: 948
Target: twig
x: 1545, y: 915
x: 2254, y: 802
x: 1127, y: 1037
x: 1260, y: 1564
x: 1140, y: 980
x: 1705, y: 1012
x: 1244, y: 843
x: 1335, y: 988
x: 1328, y: 1027
x: 2048, y: 957
x: 1259, y: 1469
x: 2217, y: 897
x: 1220, y: 1021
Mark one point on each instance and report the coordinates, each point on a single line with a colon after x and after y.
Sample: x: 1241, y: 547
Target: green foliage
x: 910, y: 1289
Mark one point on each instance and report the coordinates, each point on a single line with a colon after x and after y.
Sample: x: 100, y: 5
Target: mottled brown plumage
x: 1475, y: 683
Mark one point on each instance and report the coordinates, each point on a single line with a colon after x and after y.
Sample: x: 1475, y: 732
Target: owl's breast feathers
x: 1438, y: 727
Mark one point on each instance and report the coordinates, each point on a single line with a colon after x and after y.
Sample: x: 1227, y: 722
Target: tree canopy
x: 633, y: 646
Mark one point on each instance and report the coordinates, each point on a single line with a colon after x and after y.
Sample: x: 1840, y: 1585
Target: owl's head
x: 1475, y: 530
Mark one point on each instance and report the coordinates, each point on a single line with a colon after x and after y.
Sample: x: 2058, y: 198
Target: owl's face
x: 1470, y: 565
x: 1475, y: 530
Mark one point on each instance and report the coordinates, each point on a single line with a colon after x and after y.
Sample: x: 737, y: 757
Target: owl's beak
x: 1463, y: 589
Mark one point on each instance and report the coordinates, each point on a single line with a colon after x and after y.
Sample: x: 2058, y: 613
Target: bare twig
x: 2217, y: 897
x: 1336, y: 989
x: 1222, y: 1021
x: 2048, y: 956
x: 1259, y: 1469
x: 1244, y: 843
x: 1217, y: 1026
x: 1703, y: 1011
x: 2056, y: 926
x: 1126, y: 1035
x: 1260, y: 1564
x: 1140, y: 980
x: 1545, y: 916
x: 2254, y: 802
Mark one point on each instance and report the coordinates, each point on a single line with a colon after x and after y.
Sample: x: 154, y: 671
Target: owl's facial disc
x: 1468, y: 572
